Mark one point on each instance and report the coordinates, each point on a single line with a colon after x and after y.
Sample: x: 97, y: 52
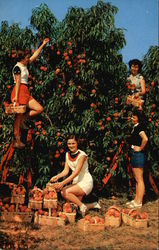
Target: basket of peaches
x: 50, y: 198
x: 18, y: 194
x: 91, y: 223
x: 11, y: 214
x: 69, y: 209
x: 55, y: 218
x: 135, y: 218
x: 113, y: 216
x: 35, y: 198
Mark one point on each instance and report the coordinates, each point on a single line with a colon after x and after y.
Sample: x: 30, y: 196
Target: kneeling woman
x: 82, y: 181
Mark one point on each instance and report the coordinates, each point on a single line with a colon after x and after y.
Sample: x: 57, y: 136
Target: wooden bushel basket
x: 35, y: 204
x: 137, y: 222
x: 50, y: 203
x: 111, y: 220
x: 49, y: 220
x: 126, y: 217
x: 70, y: 216
x: 136, y: 102
x: 50, y: 186
x: 13, y: 109
x: 18, y: 199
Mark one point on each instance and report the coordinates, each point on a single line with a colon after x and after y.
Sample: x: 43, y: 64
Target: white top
x: 136, y: 80
x: 84, y: 179
x: 24, y: 73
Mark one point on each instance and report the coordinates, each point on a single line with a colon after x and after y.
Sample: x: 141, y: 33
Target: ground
x: 30, y: 236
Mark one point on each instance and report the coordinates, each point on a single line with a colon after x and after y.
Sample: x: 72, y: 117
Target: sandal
x: 129, y: 202
x: 135, y: 205
x: 83, y: 209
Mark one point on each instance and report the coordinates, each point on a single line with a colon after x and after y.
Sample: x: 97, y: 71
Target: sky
x: 138, y: 18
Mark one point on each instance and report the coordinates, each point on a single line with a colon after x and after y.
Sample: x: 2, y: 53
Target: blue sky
x: 138, y: 18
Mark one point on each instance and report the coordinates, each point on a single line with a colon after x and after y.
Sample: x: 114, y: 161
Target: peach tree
x: 79, y: 78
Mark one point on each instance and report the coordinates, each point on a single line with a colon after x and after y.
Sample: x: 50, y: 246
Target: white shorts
x: 86, y: 184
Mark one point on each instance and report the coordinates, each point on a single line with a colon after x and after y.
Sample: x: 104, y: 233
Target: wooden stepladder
x: 114, y: 165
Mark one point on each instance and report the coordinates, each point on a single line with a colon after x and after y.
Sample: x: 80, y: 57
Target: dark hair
x: 81, y: 141
x: 135, y: 62
x: 140, y: 114
x: 72, y: 136
x: 22, y: 54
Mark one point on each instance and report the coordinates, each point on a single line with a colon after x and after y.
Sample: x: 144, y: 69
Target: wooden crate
x: 88, y: 227
x: 18, y: 199
x: 35, y: 204
x: 49, y: 220
x: 50, y: 203
x: 16, y: 216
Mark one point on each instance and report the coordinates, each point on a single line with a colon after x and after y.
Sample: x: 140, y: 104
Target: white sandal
x: 83, y: 209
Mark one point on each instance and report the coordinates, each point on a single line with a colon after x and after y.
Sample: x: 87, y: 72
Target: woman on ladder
x: 20, y: 94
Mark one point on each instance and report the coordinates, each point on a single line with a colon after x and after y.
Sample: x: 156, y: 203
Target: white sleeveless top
x: 136, y: 80
x: 84, y: 178
x: 23, y: 74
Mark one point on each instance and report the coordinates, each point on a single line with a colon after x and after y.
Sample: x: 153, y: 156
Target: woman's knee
x: 64, y: 192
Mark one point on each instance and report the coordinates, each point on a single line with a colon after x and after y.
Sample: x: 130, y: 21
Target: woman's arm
x: 143, y: 90
x: 17, y: 85
x: 62, y: 174
x: 37, y: 52
x: 143, y: 143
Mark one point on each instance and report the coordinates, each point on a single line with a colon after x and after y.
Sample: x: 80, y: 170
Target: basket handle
x: 114, y: 207
x: 131, y: 210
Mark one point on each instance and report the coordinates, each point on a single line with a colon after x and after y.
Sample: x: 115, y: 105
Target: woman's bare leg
x: 16, y: 128
x: 73, y: 193
x: 140, y: 186
x: 35, y: 108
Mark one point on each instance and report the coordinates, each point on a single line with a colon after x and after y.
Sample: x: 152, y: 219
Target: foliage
x: 79, y: 78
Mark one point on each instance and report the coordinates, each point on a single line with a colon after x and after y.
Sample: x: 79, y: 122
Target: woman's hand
x: 46, y: 40
x: 15, y: 99
x: 54, y: 179
x: 137, y: 149
x: 59, y: 186
x: 137, y: 95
